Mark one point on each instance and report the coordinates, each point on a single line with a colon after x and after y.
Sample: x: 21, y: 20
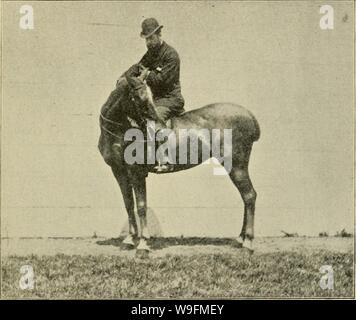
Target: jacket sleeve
x: 168, y: 74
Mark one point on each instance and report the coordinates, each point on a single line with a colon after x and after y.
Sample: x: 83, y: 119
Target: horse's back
x: 220, y: 116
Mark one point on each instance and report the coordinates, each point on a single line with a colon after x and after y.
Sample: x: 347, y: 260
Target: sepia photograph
x: 177, y: 150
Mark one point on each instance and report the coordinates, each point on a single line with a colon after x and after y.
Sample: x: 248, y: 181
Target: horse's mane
x: 113, y: 105
x: 119, y: 105
x: 122, y: 84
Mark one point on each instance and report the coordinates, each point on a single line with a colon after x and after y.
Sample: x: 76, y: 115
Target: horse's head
x: 131, y: 99
x: 141, y: 97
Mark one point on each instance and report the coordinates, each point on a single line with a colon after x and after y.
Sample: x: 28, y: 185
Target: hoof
x: 142, y: 245
x: 164, y: 168
x: 237, y: 243
x: 127, y: 246
x: 128, y: 243
x: 142, y: 253
x: 247, y: 246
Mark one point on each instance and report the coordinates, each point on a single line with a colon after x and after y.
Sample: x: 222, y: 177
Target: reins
x: 108, y: 120
x: 115, y: 123
x: 110, y: 132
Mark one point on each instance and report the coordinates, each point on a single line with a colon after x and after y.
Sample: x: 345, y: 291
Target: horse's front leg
x: 139, y: 185
x: 123, y: 180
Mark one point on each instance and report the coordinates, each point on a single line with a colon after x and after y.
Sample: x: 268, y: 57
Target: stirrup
x: 162, y: 168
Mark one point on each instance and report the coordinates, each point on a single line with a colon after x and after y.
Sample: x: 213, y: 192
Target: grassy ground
x: 205, y: 270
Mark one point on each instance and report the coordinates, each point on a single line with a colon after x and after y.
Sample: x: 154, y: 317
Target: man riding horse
x: 160, y: 67
x: 131, y: 103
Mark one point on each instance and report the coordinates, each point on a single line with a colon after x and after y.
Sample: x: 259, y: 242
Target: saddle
x: 169, y: 123
x: 159, y: 168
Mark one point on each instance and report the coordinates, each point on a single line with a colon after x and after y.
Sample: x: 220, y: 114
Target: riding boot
x: 163, y: 163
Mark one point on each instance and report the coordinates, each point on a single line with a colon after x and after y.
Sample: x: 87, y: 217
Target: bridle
x: 119, y: 125
x: 141, y: 124
x: 112, y: 122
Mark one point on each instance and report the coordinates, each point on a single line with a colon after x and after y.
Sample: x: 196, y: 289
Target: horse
x: 130, y: 105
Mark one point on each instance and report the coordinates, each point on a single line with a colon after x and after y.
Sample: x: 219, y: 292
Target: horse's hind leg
x: 240, y: 177
x: 127, y: 193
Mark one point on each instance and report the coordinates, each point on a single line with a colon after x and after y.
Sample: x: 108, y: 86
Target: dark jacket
x: 163, y: 80
x: 164, y: 65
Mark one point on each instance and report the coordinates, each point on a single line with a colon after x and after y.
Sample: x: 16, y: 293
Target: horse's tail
x: 257, y: 132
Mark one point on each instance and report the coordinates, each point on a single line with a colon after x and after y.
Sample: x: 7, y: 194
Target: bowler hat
x: 149, y: 27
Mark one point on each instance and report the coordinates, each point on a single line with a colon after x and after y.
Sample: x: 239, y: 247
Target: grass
x: 280, y: 274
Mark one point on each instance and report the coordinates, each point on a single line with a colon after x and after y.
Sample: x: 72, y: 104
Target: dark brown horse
x: 131, y: 102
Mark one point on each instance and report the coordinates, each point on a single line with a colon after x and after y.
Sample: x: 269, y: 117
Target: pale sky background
x: 270, y: 57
